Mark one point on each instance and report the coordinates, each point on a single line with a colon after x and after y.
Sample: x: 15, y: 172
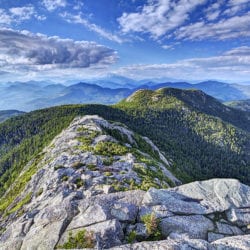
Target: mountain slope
x: 199, y: 142
x: 201, y: 139
x: 85, y: 190
x: 90, y: 157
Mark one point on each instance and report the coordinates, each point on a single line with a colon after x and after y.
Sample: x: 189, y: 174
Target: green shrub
x: 131, y: 237
x: 39, y: 192
x: 110, y: 149
x: 108, y: 173
x: 20, y: 204
x: 92, y: 167
x: 79, y: 182
x: 58, y: 167
x: 152, y: 226
x: 108, y: 161
x: 65, y: 178
x: 77, y: 165
x: 82, y: 239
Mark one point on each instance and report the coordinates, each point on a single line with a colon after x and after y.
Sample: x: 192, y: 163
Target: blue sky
x: 65, y: 40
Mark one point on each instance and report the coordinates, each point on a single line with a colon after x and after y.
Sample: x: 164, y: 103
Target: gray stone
x: 35, y: 239
x: 107, y: 189
x: 124, y: 211
x: 196, y: 226
x: 160, y: 211
x: 92, y: 215
x: 217, y: 195
x: 239, y: 216
x: 108, y: 233
x: 12, y: 244
x: 233, y: 243
x: 141, y: 230
x: 214, y: 236
x: 173, y: 201
x: 169, y: 244
x: 227, y: 229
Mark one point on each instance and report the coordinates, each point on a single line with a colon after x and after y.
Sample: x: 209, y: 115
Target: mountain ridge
x: 77, y: 193
x: 32, y: 96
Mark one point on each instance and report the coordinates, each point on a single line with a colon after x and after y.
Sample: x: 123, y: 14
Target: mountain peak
x: 163, y: 97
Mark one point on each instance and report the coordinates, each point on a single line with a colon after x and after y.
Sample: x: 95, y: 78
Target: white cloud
x: 166, y: 19
x: 231, y: 65
x: 22, y: 13
x: 22, y: 51
x: 233, y: 27
x: 18, y: 14
x: 77, y: 19
x: 168, y: 47
x: 213, y: 15
x: 158, y: 17
x: 52, y: 5
x: 5, y: 18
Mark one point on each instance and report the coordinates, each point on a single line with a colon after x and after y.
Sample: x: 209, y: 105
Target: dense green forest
x: 202, y: 137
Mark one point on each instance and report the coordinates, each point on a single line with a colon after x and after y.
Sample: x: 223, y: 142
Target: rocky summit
x: 100, y: 185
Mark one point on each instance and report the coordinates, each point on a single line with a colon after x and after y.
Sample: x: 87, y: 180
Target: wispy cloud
x: 23, y: 51
x: 158, y: 17
x: 78, y: 19
x: 233, y: 27
x: 168, y: 47
x: 163, y: 19
x: 234, y: 63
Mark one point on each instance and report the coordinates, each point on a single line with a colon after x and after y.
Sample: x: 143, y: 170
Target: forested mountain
x: 243, y: 105
x: 202, y: 137
x: 6, y: 114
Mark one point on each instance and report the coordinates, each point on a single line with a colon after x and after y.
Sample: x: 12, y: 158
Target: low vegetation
x: 151, y: 223
x: 82, y: 239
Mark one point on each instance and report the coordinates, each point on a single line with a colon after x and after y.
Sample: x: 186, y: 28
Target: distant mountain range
x: 36, y: 95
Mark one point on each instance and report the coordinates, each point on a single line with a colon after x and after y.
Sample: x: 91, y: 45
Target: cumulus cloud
x: 158, y: 17
x: 24, y: 51
x: 78, y: 19
x: 234, y: 63
x: 52, y: 5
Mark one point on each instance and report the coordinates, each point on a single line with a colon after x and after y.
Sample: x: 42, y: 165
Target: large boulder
x: 239, y: 216
x: 173, y: 201
x: 196, y: 226
x: 217, y: 195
